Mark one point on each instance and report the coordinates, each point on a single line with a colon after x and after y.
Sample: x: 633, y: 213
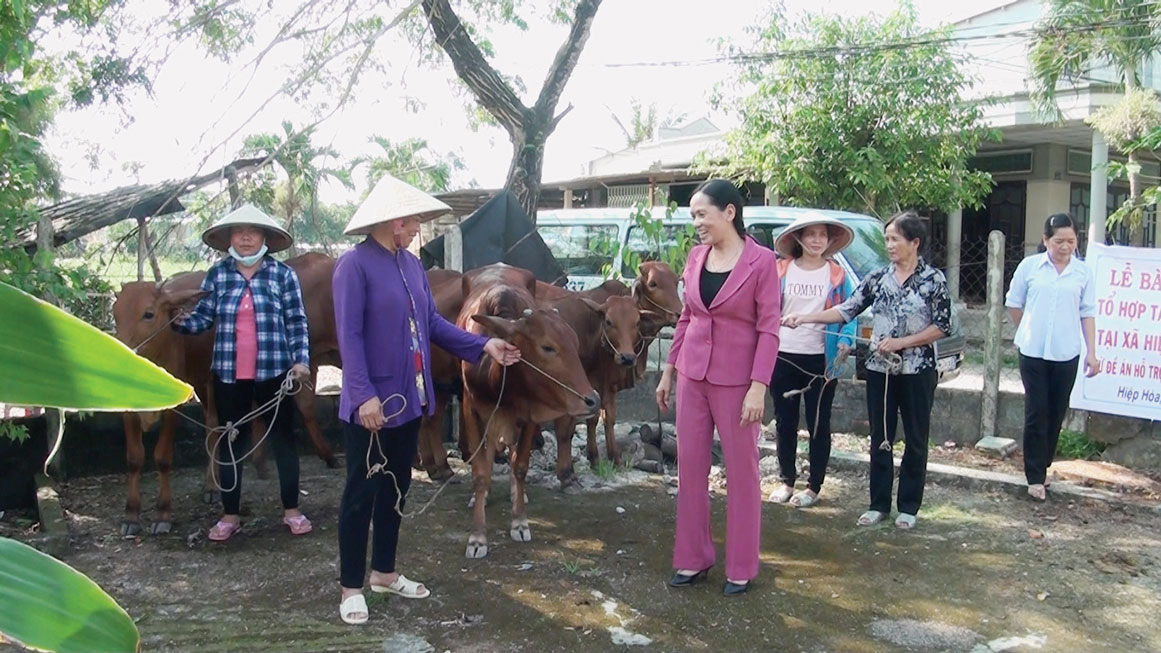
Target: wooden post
x: 142, y: 245
x: 45, y: 237
x: 995, y: 325
x: 453, y: 249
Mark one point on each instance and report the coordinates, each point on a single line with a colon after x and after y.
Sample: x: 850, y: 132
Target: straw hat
x: 218, y: 235
x: 841, y: 234
x: 392, y: 199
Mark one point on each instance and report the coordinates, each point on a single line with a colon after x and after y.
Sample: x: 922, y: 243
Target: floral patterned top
x: 901, y: 311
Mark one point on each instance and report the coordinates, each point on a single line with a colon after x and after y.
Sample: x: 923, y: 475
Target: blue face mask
x: 248, y: 260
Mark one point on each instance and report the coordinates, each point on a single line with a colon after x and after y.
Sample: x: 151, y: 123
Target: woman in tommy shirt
x: 810, y: 357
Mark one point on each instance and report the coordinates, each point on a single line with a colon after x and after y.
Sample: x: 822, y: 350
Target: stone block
x: 1111, y: 429
x: 1143, y: 453
x: 996, y: 446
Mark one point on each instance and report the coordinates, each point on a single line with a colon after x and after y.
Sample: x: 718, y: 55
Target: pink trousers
x: 700, y: 407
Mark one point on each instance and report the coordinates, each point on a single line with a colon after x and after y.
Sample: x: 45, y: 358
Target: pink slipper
x: 299, y: 525
x: 224, y: 530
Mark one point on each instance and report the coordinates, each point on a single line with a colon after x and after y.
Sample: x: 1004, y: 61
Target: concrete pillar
x: 453, y: 249
x: 993, y: 338
x: 568, y: 198
x: 954, y: 239
x: 1098, y: 189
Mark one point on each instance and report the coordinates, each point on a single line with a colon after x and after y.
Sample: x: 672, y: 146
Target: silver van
x: 580, y: 240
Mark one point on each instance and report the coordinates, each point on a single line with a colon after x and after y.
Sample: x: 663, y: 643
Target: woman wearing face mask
x: 256, y: 304
x: 910, y: 309
x: 723, y: 352
x: 386, y: 321
x: 810, y: 357
x: 1052, y: 300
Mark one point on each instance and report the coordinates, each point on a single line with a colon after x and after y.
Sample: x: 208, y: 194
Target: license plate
x: 946, y: 364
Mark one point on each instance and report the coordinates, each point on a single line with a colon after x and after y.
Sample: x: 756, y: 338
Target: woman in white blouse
x: 1052, y: 300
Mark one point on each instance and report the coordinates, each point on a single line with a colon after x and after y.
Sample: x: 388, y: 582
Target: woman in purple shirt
x: 386, y: 321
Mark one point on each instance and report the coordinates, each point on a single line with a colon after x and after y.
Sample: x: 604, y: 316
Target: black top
x: 711, y: 284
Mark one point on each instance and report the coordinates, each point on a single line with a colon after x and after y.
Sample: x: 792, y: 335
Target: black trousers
x: 366, y: 499
x: 907, y: 396
x: 793, y: 372
x: 234, y: 401
x: 1047, y: 386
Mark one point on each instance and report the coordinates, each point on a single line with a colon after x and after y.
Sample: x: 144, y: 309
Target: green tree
x: 412, y: 161
x: 299, y: 159
x: 856, y: 113
x: 1076, y: 37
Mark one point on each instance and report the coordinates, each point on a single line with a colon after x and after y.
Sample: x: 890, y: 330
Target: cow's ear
x: 180, y: 298
x: 651, y: 323
x: 498, y: 326
x: 593, y: 305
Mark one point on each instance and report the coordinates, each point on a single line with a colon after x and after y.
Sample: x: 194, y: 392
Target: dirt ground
x: 982, y: 572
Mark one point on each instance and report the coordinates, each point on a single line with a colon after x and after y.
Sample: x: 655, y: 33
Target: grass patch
x: 1009, y: 360
x: 605, y: 469
x: 574, y: 566
x: 1075, y: 445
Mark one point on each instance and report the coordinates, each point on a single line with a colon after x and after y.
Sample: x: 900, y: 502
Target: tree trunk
x: 524, y: 174
x: 528, y: 127
x: 1136, y: 217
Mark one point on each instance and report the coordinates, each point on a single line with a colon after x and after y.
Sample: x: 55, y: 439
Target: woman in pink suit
x: 723, y: 352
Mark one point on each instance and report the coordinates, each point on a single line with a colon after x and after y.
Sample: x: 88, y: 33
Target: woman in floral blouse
x: 910, y: 310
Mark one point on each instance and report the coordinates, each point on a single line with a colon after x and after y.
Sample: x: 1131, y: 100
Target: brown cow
x: 141, y: 312
x: 655, y: 296
x: 610, y: 342
x: 499, y: 402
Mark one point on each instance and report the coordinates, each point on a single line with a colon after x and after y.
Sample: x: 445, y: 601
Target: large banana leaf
x: 46, y: 604
x: 50, y: 358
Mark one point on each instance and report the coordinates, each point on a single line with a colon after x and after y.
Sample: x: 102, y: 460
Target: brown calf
x: 502, y: 409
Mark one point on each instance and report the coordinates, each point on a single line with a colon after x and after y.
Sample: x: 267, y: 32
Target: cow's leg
x: 565, y: 427
x: 432, y: 455
x: 610, y: 412
x: 305, y: 400
x: 163, y: 458
x: 481, y: 482
x: 521, y: 532
x: 135, y: 459
x: 591, y: 450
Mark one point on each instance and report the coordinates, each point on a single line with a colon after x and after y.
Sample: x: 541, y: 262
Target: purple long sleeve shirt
x: 371, y: 311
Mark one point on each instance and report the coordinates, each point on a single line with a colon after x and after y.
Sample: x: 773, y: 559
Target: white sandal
x: 870, y: 518
x: 804, y: 499
x: 404, y: 587
x: 353, y: 605
x: 905, y: 521
x: 782, y: 494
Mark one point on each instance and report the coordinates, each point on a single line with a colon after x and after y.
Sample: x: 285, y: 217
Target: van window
x: 581, y: 249
x: 646, y: 248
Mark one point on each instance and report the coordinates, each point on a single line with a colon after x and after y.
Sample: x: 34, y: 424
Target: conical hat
x: 841, y: 234
x: 392, y: 199
x: 218, y: 235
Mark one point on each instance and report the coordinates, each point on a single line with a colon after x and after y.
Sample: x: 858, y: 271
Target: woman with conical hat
x: 386, y: 322
x: 256, y: 304
x: 810, y: 358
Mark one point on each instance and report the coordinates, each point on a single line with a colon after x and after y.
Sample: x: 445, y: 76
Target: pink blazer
x: 734, y: 340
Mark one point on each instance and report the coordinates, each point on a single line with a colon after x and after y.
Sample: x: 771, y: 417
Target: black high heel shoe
x: 733, y: 589
x: 683, y: 580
